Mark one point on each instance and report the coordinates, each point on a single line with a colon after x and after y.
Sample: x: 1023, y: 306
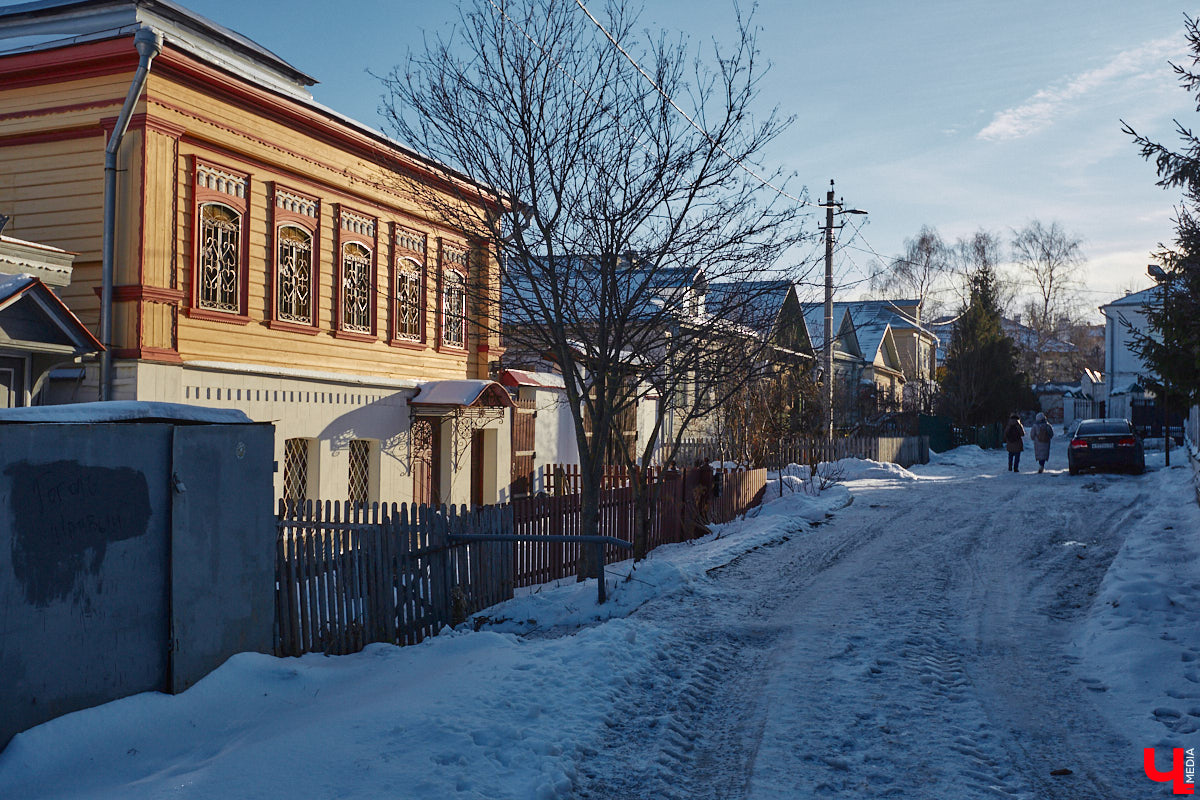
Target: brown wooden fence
x: 348, y: 575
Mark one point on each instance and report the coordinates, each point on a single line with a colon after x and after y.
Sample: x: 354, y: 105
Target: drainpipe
x: 148, y: 44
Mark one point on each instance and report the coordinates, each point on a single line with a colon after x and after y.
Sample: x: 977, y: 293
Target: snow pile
x: 852, y: 469
x: 1141, y: 641
x: 478, y: 714
x: 968, y: 457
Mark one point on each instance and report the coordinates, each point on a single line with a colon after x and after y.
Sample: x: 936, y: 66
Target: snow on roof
x: 1146, y: 297
x: 520, y: 377
x: 123, y: 411
x: 463, y: 392
x: 12, y: 284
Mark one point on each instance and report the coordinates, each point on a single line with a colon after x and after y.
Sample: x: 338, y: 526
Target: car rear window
x: 1093, y: 428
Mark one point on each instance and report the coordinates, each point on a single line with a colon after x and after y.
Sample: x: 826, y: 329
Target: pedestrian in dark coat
x: 1014, y: 442
x: 1041, y: 433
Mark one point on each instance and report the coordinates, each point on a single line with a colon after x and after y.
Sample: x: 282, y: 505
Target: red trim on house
x: 371, y: 243
x: 292, y: 327
x: 312, y: 225
x: 351, y: 336
x: 420, y: 259
x: 63, y: 109
x: 407, y: 344
x: 216, y: 316
x: 201, y: 196
x: 444, y: 267
x: 162, y: 354
x: 189, y: 71
x: 59, y: 135
x: 145, y: 122
x: 151, y: 294
x: 71, y: 61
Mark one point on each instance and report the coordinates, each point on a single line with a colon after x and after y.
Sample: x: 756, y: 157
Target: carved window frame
x: 454, y: 273
x: 409, y: 248
x: 356, y: 229
x: 293, y: 209
x: 220, y: 186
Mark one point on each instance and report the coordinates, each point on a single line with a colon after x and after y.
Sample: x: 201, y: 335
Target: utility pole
x: 830, y: 205
x: 829, y: 314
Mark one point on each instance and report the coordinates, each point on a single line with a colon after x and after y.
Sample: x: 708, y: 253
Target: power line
x: 685, y: 115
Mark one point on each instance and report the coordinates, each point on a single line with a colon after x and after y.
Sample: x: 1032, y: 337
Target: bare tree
x: 1053, y: 259
x: 614, y: 176
x: 924, y: 267
x: 981, y: 250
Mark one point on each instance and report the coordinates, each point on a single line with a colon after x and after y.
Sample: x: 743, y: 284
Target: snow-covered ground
x: 953, y: 631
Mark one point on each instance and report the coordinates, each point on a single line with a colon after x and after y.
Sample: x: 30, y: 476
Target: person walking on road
x: 1041, y: 433
x: 1014, y: 442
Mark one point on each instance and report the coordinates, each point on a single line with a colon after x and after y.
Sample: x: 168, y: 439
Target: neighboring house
x: 907, y: 347
x: 882, y: 371
x: 1086, y: 400
x: 849, y: 361
x: 1048, y: 361
x: 37, y: 331
x: 268, y: 257
x: 1123, y: 367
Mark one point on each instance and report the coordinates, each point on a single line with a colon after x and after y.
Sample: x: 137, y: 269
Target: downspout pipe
x: 149, y: 45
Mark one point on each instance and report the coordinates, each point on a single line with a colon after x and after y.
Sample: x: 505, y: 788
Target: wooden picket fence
x: 348, y: 575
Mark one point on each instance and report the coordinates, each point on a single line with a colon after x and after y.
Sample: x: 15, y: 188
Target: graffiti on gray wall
x: 64, y: 515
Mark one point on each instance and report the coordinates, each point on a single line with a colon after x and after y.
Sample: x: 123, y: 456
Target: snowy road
x: 953, y: 633
x: 925, y: 645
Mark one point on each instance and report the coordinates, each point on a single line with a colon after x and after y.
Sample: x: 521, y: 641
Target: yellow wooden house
x: 266, y: 254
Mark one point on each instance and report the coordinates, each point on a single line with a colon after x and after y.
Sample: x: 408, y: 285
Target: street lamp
x: 829, y: 205
x: 1159, y: 274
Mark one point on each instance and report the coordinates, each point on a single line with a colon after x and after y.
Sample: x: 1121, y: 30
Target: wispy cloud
x: 1046, y: 106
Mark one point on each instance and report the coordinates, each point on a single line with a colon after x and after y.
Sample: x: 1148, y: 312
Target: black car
x: 1105, y: 444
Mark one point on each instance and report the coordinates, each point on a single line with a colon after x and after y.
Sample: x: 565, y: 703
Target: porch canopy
x: 37, y: 333
x: 438, y: 398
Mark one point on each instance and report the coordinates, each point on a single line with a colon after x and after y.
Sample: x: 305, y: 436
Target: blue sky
x: 958, y: 115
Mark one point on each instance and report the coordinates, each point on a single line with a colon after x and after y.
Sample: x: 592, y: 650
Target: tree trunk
x: 589, y: 525
x: 641, y: 513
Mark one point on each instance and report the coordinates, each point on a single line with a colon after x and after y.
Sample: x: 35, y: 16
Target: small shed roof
x: 520, y: 377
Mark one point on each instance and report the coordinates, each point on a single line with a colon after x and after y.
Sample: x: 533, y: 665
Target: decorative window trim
x: 454, y: 261
x: 294, y: 209
x: 356, y: 228
x: 213, y: 184
x: 409, y: 250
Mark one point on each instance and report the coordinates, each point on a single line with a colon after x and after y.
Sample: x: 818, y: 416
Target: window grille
x: 356, y: 288
x: 220, y: 258
x: 408, y: 301
x: 454, y: 310
x: 295, y: 275
x: 295, y: 470
x: 360, y: 470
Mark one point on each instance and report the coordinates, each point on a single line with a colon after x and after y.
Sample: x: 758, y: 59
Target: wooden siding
x: 53, y: 188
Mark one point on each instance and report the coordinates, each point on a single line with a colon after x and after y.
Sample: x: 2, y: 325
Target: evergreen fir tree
x: 981, y: 383
x: 1171, y: 349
